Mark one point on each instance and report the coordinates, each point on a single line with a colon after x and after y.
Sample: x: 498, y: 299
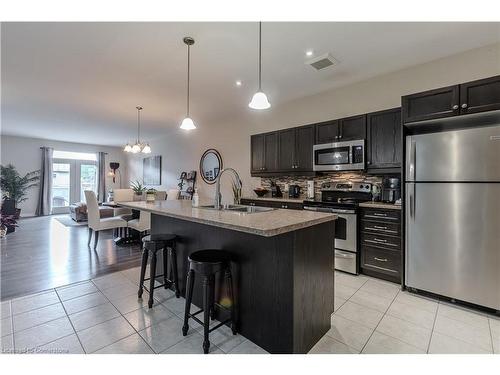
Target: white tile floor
x: 103, y: 315
x: 375, y: 316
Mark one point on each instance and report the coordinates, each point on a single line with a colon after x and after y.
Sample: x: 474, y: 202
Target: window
x: 75, y: 155
x: 73, y: 173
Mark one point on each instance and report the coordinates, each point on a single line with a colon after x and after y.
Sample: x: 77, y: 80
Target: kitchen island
x: 283, y: 271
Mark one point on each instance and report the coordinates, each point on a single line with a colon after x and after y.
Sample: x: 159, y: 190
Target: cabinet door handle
x: 464, y: 105
x: 380, y: 259
x: 377, y: 214
x: 379, y: 240
x: 455, y: 107
x: 377, y: 227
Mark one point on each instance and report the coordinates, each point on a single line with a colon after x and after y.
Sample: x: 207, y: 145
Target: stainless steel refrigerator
x: 452, y: 206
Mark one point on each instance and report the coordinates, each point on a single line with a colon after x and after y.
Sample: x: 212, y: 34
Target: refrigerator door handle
x: 412, y: 161
x: 412, y: 201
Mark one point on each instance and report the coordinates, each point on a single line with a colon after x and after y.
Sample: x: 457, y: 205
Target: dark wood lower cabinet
x: 380, y: 236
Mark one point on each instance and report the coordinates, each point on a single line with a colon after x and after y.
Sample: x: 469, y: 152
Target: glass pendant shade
x: 259, y: 101
x: 136, y: 148
x: 188, y: 124
x: 146, y: 149
x: 128, y: 148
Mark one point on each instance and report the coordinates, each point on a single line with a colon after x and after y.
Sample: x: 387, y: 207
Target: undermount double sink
x: 237, y: 208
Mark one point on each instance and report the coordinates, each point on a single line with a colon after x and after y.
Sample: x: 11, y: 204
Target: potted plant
x: 7, y: 224
x: 138, y: 189
x: 150, y: 195
x: 15, y: 187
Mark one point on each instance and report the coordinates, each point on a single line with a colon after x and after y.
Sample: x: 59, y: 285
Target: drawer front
x: 381, y: 241
x: 292, y: 206
x: 381, y: 215
x: 345, y: 261
x: 376, y: 227
x: 273, y: 204
x: 379, y: 260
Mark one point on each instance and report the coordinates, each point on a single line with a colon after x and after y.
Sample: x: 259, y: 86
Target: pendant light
x: 187, y: 123
x: 259, y: 100
x: 138, y: 145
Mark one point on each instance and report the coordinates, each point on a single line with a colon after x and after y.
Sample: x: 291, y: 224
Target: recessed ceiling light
x: 238, y: 83
x: 309, y: 53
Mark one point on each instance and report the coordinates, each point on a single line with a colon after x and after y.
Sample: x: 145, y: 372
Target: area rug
x: 67, y: 221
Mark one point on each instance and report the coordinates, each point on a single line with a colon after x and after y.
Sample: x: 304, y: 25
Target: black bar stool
x: 152, y: 244
x: 207, y: 263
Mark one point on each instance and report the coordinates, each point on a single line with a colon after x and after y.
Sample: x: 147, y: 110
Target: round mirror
x: 210, y: 165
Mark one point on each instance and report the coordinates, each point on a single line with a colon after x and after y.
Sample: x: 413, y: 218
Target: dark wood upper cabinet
x: 257, y: 153
x: 432, y: 104
x: 479, y: 96
x: 286, y: 156
x: 327, y: 132
x: 271, y: 152
x: 470, y: 97
x: 304, y: 142
x: 352, y: 128
x: 264, y: 153
x: 384, y: 139
x: 295, y: 149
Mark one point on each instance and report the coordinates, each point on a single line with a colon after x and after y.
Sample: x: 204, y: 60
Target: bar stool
x: 152, y: 244
x: 207, y: 263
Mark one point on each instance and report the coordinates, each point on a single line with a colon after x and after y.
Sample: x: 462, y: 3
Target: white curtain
x: 44, y: 206
x: 101, y: 178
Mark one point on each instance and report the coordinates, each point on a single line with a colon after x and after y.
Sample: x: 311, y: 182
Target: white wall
x: 25, y: 155
x: 182, y: 151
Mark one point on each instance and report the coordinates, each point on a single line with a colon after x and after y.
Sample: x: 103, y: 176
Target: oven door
x: 345, y: 232
x: 332, y: 157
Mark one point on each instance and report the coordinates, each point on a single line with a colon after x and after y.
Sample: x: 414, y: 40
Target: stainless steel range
x: 342, y: 198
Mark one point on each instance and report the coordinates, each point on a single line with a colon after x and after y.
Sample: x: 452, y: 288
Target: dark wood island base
x: 284, y: 283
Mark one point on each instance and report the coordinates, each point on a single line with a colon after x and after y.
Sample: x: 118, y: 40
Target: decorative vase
x: 150, y: 197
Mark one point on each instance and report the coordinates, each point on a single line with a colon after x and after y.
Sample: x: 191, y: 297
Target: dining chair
x: 95, y: 222
x: 173, y: 194
x: 161, y: 195
x: 142, y: 224
x: 122, y: 195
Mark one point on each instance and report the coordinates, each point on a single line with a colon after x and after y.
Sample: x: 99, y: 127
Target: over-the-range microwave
x: 339, y: 156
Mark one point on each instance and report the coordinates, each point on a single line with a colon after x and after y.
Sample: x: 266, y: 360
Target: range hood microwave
x: 339, y: 156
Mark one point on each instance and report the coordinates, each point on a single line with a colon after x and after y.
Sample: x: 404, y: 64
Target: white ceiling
x: 81, y: 82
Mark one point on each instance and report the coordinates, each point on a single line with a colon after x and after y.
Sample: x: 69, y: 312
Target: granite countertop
x: 270, y: 223
x: 390, y: 206
x: 274, y: 199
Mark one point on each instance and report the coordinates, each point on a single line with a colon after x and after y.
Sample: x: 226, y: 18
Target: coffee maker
x: 391, y: 189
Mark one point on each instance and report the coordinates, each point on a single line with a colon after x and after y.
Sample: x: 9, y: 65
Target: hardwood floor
x: 44, y: 254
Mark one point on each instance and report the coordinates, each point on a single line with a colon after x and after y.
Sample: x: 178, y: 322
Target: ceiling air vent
x: 322, y: 62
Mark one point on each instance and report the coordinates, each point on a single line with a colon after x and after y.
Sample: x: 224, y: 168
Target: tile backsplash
x: 318, y: 180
